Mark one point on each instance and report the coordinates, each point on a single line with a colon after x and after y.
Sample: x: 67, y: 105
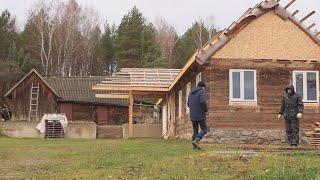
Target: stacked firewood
x: 314, y: 135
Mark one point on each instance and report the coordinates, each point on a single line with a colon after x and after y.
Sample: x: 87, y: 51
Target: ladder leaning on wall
x: 34, y: 99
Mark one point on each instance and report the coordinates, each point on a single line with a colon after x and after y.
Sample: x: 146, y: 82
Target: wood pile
x: 314, y: 135
x: 53, y: 129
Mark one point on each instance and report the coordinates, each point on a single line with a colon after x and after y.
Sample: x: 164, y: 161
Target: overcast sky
x: 179, y: 13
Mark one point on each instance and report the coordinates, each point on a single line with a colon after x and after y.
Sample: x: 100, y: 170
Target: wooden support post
x: 307, y: 16
x: 130, y: 126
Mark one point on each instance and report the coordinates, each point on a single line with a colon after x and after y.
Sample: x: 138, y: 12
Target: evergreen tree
x: 107, y: 50
x: 8, y: 34
x: 135, y: 42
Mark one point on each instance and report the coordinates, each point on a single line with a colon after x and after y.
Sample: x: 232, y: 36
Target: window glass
x: 236, y: 85
x: 248, y: 85
x: 311, y: 86
x: 198, y: 78
x: 299, y: 84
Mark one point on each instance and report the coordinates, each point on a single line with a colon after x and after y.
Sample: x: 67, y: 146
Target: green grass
x: 144, y: 159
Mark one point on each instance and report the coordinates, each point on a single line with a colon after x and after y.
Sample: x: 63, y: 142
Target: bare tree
x: 66, y: 37
x: 203, y: 30
x: 44, y: 17
x: 166, y: 38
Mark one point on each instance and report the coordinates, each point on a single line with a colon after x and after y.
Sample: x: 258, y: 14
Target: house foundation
x: 246, y: 136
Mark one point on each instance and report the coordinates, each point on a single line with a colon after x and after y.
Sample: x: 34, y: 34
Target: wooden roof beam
x: 318, y: 34
x: 289, y: 4
x: 307, y: 16
x: 112, y: 96
x: 311, y: 26
x: 294, y: 13
x: 128, y: 88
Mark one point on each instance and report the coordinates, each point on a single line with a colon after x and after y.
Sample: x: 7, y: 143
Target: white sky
x: 179, y: 13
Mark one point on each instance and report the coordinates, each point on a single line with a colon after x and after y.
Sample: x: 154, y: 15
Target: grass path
x: 145, y: 159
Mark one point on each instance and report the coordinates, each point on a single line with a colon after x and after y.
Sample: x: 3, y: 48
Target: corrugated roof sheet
x: 79, y: 89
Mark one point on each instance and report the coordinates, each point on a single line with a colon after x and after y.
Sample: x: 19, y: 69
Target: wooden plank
x: 311, y: 26
x: 307, y: 16
x: 295, y: 12
x: 113, y: 96
x: 126, y: 88
x: 289, y: 4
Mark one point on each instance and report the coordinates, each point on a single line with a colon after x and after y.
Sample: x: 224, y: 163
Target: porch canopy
x: 135, y: 83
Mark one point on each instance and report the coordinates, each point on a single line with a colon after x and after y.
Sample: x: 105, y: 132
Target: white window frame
x: 188, y: 90
x: 241, y: 99
x: 180, y: 103
x: 198, y: 78
x: 305, y: 93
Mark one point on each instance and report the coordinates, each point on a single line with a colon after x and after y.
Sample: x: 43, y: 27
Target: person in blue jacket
x: 198, y: 108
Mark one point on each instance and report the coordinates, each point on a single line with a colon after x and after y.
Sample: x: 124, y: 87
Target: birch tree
x: 166, y: 38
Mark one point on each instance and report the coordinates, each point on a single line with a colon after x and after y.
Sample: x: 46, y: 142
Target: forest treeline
x: 66, y: 39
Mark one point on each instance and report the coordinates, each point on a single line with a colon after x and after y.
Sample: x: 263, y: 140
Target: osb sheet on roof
x: 78, y: 89
x: 142, y: 77
x: 270, y: 37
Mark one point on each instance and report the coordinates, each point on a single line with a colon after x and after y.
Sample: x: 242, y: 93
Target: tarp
x: 61, y: 117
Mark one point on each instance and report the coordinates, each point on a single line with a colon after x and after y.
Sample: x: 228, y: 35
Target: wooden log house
x: 246, y: 68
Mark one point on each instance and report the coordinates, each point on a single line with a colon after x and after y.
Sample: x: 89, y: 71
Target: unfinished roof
x: 139, y: 79
x: 201, y: 56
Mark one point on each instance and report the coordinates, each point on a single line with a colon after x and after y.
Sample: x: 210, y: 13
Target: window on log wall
x: 242, y: 85
x: 198, y: 78
x: 306, y: 84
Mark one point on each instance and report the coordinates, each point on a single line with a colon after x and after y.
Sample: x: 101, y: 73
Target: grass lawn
x: 144, y: 159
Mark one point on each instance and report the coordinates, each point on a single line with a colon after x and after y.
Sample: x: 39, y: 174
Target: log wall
x: 272, y: 76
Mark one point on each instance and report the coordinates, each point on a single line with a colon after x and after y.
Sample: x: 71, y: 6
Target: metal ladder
x: 34, y: 99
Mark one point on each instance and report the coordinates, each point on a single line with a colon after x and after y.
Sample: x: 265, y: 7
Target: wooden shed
x: 246, y: 68
x: 34, y: 95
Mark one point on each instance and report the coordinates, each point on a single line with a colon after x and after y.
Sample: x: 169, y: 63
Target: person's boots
x: 294, y: 146
x: 195, y: 143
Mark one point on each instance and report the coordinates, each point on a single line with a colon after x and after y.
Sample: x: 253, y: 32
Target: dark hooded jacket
x: 197, y: 104
x: 291, y: 104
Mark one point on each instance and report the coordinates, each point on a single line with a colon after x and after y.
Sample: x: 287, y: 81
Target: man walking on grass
x: 198, y: 108
x: 292, y: 109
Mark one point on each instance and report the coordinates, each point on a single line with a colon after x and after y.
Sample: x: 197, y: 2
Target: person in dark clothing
x: 292, y: 109
x: 198, y: 108
x: 5, y: 112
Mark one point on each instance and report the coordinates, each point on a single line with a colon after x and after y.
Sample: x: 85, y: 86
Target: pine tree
x: 135, y: 42
x: 107, y: 50
x: 8, y: 34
